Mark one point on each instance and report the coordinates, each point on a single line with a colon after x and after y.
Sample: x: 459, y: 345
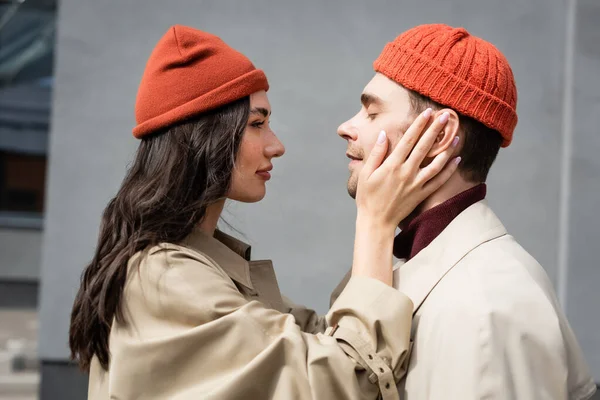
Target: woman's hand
x: 388, y: 191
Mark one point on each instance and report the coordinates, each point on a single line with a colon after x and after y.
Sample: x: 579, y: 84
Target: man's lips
x: 354, y: 158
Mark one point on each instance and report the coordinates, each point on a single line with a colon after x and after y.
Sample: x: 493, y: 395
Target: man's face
x: 385, y: 106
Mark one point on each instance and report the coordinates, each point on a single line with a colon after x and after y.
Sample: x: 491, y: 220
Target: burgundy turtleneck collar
x: 422, y: 230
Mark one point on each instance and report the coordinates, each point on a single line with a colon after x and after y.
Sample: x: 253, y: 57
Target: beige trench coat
x: 487, y: 324
x: 203, y: 322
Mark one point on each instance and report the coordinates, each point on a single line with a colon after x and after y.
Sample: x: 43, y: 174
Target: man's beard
x: 352, y: 185
x: 353, y: 180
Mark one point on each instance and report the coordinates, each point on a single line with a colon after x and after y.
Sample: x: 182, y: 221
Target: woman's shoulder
x: 167, y: 286
x: 165, y: 254
x: 175, y: 260
x: 167, y: 279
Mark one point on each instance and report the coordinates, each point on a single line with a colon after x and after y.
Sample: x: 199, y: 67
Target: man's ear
x: 447, y: 135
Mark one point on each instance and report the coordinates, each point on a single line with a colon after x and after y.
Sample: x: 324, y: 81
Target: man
x: 486, y: 322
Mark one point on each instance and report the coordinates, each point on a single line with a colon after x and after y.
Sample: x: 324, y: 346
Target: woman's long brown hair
x: 176, y: 174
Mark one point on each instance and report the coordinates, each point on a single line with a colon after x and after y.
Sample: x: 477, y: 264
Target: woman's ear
x: 447, y: 135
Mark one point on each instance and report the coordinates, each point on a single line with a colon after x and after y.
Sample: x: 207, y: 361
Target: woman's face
x: 258, y: 147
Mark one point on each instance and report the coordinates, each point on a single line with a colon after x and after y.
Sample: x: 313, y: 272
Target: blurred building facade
x: 27, y: 42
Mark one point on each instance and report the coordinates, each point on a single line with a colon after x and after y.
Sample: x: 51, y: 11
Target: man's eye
x: 258, y: 124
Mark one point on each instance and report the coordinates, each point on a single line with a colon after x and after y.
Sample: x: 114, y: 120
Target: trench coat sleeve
x: 308, y: 320
x: 213, y: 343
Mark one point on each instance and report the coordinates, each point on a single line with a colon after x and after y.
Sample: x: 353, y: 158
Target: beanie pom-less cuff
x: 243, y: 86
x: 416, y: 72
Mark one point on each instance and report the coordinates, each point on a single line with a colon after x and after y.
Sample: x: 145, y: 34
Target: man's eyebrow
x: 260, y: 110
x: 366, y: 99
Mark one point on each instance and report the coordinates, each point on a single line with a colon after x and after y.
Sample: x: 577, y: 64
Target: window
x: 26, y: 77
x: 22, y: 182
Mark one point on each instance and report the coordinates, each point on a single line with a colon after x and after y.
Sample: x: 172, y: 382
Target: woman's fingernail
x: 455, y: 141
x: 427, y: 113
x: 444, y: 117
x: 457, y: 160
x: 381, y: 137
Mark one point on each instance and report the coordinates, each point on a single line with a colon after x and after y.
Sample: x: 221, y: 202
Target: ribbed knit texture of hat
x: 188, y: 73
x: 457, y: 70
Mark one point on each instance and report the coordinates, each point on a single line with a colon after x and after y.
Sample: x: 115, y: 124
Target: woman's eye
x: 258, y: 124
x: 371, y: 116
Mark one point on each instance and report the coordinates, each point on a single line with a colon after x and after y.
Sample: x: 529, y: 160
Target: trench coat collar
x: 418, y: 277
x: 232, y: 255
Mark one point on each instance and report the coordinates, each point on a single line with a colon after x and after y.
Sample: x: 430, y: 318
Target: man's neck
x: 455, y: 185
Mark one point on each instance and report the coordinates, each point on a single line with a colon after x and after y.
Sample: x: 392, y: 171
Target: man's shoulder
x: 497, y: 282
x: 493, y: 270
x: 502, y: 249
x: 502, y: 263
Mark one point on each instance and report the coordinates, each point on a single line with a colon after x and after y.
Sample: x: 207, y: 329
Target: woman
x: 171, y: 308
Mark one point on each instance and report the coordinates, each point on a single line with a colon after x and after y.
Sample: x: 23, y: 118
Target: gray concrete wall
x: 583, y: 277
x: 318, y: 57
x: 20, y: 254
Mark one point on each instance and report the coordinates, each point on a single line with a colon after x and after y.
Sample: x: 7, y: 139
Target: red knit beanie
x: 457, y: 70
x: 190, y: 72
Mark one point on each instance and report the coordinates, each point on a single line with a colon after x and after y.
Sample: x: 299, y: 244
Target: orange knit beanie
x: 190, y: 72
x: 457, y: 70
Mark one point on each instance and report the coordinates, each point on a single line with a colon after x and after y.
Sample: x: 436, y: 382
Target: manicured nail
x: 381, y: 137
x: 444, y: 117
x: 457, y: 160
x: 427, y: 113
x: 455, y: 141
